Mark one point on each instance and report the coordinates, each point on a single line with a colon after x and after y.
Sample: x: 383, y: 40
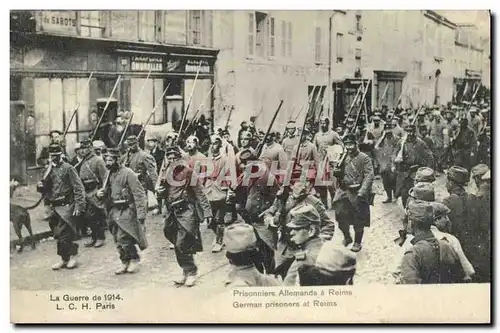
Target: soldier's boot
x: 219, y: 238
x: 401, y: 239
x: 356, y: 247
x: 122, y: 269
x: 133, y: 266
x: 156, y: 211
x: 181, y: 279
x: 90, y: 243
x: 389, y: 197
x: 99, y: 243
x: 190, y: 280
x: 60, y: 265
x: 71, y: 263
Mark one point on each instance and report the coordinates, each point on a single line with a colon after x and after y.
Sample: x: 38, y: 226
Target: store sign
x: 189, y: 65
x: 146, y: 64
x: 63, y: 22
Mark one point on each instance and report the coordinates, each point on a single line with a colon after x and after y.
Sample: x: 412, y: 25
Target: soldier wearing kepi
x: 127, y: 208
x: 92, y: 173
x: 66, y: 197
x: 142, y: 163
x: 290, y: 140
x: 186, y: 207
x: 352, y: 199
x: 304, y: 233
x: 386, y: 150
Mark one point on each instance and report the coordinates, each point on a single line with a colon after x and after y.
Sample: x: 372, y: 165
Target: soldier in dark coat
x: 92, y: 173
x: 304, y: 233
x: 414, y: 154
x: 464, y: 146
x: 385, y: 151
x: 484, y: 146
x: 278, y: 215
x: 127, y: 208
x: 65, y: 195
x: 186, y: 206
x: 158, y: 155
x: 467, y: 218
x: 352, y: 199
x: 142, y: 163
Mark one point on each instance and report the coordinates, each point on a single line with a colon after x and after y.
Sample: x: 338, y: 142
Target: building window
x: 271, y: 37
x: 340, y: 48
x: 91, y: 24
x: 359, y: 24
x: 317, y: 45
x: 195, y: 26
x: 289, y: 40
x: 251, y: 34
x: 260, y: 42
x: 147, y: 25
x: 283, y: 38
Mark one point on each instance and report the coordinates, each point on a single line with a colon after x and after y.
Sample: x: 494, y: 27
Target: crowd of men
x: 281, y: 234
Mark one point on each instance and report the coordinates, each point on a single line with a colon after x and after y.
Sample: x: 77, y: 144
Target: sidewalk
x: 28, y: 196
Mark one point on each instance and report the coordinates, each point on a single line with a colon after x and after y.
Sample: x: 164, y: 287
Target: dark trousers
x: 217, y: 225
x: 389, y: 182
x: 186, y: 262
x: 65, y: 235
x: 95, y: 219
x: 265, y: 261
x: 125, y: 245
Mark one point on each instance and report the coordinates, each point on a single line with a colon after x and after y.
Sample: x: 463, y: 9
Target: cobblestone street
x: 31, y: 270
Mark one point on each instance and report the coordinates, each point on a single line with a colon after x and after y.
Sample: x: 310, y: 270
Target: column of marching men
x: 275, y: 234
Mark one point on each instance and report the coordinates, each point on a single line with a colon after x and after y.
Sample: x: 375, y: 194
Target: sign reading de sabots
x: 58, y: 21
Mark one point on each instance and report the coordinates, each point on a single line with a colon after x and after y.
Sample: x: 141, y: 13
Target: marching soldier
x: 304, y: 233
x: 386, y: 150
x: 464, y: 146
x: 92, y: 173
x: 437, y: 128
x: 143, y: 164
x: 66, y: 197
x: 241, y: 245
x: 352, y: 199
x: 290, y: 140
x: 476, y: 122
x: 466, y: 216
x: 423, y: 133
x: 413, y: 153
x: 484, y: 146
x: 273, y: 151
x: 186, y: 206
x: 278, y: 215
x: 55, y: 138
x: 99, y: 148
x: 216, y: 191
x: 158, y: 155
x: 375, y: 127
x: 245, y: 141
x: 127, y: 208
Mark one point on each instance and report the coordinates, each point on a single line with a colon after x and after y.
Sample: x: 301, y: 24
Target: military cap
x: 292, y: 123
x: 246, y: 135
x: 306, y: 130
x: 98, y: 144
x: 479, y: 170
x: 252, y: 119
x: 473, y: 109
x: 403, y: 113
x: 396, y: 118
x: 153, y: 138
x: 86, y: 143
x: 173, y: 150
x: 324, y: 118
x: 376, y: 118
x: 243, y: 123
x: 387, y: 126
x: 192, y: 139
x: 55, y: 149
x: 55, y: 131
x: 425, y: 175
x: 239, y: 237
x: 224, y: 132
x: 439, y: 209
x: 453, y: 108
x: 335, y: 258
x: 422, y: 113
x: 485, y: 110
x: 215, y: 137
x: 423, y: 191
x: 303, y: 217
x: 487, y: 175
x: 113, y: 152
x: 132, y: 139
x: 262, y: 133
x: 458, y: 175
x: 172, y: 135
x: 409, y: 127
x: 351, y: 120
x: 247, y: 155
x: 436, y: 113
x: 420, y: 213
x: 350, y: 138
x: 78, y: 146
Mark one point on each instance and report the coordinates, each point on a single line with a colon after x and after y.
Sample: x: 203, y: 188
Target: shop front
x: 345, y: 92
x: 464, y: 87
x: 50, y: 75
